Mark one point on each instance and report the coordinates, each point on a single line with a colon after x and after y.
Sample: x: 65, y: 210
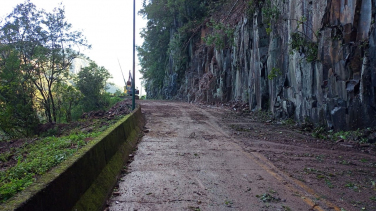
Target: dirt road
x: 195, y: 158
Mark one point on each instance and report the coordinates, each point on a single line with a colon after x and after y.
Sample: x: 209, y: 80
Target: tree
x: 67, y: 96
x: 45, y: 45
x: 118, y: 93
x: 91, y: 81
x: 170, y: 26
x: 17, y: 114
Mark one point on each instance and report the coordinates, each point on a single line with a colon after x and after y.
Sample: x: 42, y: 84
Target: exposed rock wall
x: 337, y: 88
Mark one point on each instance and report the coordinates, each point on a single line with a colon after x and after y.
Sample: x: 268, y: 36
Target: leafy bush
x: 274, y: 73
x: 91, y: 81
x: 112, y: 100
x: 51, y: 132
x: 301, y: 44
x: 220, y: 34
x: 270, y: 11
x: 251, y: 8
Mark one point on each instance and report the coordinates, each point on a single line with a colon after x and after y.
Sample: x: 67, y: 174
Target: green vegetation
x: 275, y: 72
x: 267, y: 197
x: 349, y: 135
x: 34, y: 159
x: 194, y: 208
x: 36, y: 45
x: 36, y: 51
x: 358, y: 136
x: 352, y: 186
x: 329, y: 183
x: 363, y: 160
x: 270, y: 13
x: 67, y: 97
x: 176, y: 19
x: 263, y: 115
x: 228, y: 203
x: 319, y: 132
x: 175, y: 25
x: 91, y: 81
x: 286, y: 208
x: 251, y: 7
x: 289, y: 121
x: 172, y: 29
x: 320, y: 158
x: 270, y: 10
x: 222, y: 34
x: 302, y: 43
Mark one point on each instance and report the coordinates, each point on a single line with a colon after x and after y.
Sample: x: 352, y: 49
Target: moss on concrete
x: 86, y: 179
x: 100, y: 190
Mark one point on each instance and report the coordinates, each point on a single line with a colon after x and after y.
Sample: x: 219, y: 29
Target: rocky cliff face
x: 307, y: 60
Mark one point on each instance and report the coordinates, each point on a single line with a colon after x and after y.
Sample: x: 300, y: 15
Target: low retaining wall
x: 84, y: 181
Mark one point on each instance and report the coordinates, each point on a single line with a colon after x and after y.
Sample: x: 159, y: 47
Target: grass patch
x: 320, y: 158
x: 240, y: 128
x: 352, y: 186
x: 363, y: 160
x: 228, y: 203
x: 329, y: 183
x: 360, y: 136
x: 37, y: 158
x: 268, y: 197
x: 286, y: 208
x: 4, y: 157
x: 345, y: 162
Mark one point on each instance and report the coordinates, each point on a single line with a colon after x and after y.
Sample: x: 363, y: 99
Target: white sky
x: 107, y: 25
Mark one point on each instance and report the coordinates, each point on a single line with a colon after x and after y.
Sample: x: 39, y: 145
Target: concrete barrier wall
x: 85, y: 180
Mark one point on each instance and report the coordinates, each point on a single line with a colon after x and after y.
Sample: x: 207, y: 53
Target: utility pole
x: 134, y: 54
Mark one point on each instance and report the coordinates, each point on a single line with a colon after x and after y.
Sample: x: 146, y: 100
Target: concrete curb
x: 85, y: 180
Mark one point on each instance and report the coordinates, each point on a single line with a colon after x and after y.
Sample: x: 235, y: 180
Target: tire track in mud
x: 292, y: 184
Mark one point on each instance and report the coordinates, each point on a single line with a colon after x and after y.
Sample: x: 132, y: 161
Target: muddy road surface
x: 199, y: 158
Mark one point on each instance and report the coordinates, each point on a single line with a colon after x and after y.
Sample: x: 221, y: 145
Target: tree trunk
x: 53, y: 107
x: 69, y: 113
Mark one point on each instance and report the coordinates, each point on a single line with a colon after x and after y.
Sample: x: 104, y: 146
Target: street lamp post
x: 134, y: 54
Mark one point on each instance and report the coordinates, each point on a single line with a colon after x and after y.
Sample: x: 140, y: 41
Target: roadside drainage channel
x: 85, y: 180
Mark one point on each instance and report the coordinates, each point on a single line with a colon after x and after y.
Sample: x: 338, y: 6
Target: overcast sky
x: 107, y: 25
